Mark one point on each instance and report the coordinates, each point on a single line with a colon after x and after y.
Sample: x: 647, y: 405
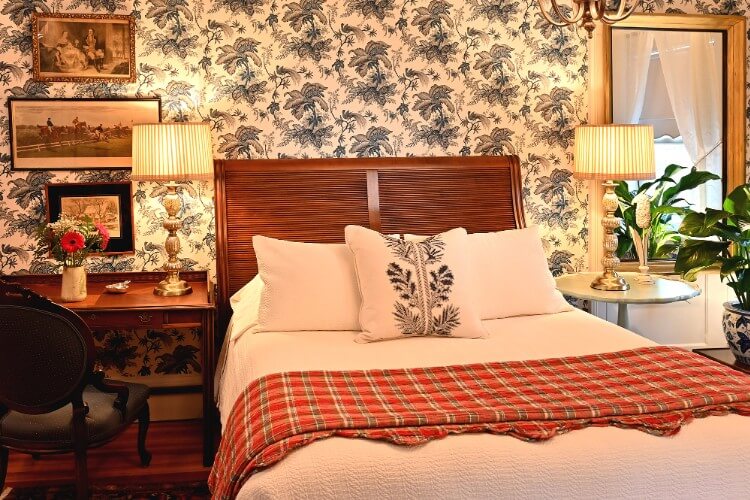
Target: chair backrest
x: 46, y: 352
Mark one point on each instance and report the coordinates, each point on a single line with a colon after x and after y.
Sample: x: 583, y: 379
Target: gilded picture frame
x: 83, y: 47
x: 110, y: 203
x: 76, y: 133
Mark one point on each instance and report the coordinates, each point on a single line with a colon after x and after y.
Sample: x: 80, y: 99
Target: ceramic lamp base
x: 609, y: 280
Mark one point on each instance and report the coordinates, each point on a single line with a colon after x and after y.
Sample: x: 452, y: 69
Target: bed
x: 312, y: 200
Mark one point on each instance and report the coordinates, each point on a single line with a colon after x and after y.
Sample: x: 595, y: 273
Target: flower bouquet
x: 69, y: 241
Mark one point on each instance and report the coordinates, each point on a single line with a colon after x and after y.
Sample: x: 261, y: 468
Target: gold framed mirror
x: 615, y: 73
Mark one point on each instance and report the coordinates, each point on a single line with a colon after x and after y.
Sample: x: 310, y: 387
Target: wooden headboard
x: 312, y: 200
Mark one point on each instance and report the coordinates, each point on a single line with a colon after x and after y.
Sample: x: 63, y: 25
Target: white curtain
x: 692, y: 65
x: 632, y: 52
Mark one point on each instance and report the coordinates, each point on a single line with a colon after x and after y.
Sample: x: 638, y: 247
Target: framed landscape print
x: 76, y: 134
x: 110, y: 203
x: 83, y: 47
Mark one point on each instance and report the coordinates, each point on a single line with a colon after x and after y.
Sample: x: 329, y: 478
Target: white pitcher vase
x: 73, y: 284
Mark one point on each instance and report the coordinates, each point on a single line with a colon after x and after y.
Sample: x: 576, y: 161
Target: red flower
x: 104, y: 233
x: 72, y: 241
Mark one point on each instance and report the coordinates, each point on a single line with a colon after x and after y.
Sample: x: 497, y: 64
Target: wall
x: 315, y: 78
x: 311, y: 79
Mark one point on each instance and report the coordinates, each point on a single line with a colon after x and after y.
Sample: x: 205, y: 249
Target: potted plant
x: 665, y: 200
x: 722, y: 237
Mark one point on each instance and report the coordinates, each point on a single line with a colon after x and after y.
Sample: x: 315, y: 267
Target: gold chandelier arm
x: 597, y: 9
x: 621, y: 13
x: 621, y: 8
x: 549, y: 19
x: 577, y: 14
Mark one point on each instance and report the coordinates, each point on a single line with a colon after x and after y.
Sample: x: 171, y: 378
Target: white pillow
x: 306, y: 286
x: 413, y: 288
x: 511, y: 275
x: 245, y: 304
x: 248, y: 290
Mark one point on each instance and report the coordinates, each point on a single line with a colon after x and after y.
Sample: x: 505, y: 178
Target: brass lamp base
x: 167, y: 288
x: 610, y: 281
x: 172, y: 285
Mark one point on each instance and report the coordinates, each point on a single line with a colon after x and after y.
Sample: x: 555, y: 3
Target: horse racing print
x: 73, y: 134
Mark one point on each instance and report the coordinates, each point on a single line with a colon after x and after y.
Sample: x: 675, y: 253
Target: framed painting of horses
x: 83, y: 47
x: 77, y: 133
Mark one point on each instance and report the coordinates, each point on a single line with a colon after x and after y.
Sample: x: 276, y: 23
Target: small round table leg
x: 622, y: 316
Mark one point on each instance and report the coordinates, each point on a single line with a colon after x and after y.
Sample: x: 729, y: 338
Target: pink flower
x: 72, y: 241
x: 104, y: 232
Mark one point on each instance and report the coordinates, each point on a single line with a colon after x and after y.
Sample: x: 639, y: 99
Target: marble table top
x: 663, y: 290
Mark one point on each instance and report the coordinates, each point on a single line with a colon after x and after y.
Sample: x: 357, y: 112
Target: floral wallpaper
x: 312, y: 78
x: 145, y: 352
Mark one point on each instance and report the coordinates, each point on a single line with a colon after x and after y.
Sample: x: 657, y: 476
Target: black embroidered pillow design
x: 423, y: 283
x: 414, y: 288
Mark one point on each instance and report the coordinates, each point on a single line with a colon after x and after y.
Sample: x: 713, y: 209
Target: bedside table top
x: 724, y: 356
x: 139, y: 296
x: 663, y: 291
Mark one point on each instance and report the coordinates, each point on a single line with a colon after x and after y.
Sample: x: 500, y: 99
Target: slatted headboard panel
x: 313, y: 200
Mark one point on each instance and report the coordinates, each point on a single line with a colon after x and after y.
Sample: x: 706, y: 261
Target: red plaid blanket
x: 653, y: 389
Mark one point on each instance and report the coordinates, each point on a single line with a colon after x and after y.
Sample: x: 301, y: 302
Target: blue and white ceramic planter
x: 736, y: 323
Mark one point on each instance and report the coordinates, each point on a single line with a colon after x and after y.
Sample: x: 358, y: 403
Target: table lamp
x: 607, y: 152
x: 172, y: 152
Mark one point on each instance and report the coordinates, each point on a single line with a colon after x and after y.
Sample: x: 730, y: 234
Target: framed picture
x: 75, y: 134
x: 110, y: 203
x: 83, y: 47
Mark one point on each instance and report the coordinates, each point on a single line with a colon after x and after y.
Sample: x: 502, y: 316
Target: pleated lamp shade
x: 614, y: 152
x: 172, y: 152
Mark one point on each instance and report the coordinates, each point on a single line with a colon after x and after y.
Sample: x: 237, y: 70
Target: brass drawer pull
x: 92, y: 317
x: 145, y: 317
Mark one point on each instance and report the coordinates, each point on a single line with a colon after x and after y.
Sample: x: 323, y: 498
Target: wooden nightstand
x: 140, y: 308
x: 724, y: 356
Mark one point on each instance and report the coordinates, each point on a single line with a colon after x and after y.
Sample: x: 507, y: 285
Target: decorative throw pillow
x: 511, y: 275
x: 413, y: 288
x: 306, y: 286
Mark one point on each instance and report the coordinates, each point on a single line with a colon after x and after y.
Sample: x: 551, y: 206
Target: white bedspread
x: 703, y: 461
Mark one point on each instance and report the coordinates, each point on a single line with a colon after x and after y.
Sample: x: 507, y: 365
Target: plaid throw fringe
x: 653, y: 389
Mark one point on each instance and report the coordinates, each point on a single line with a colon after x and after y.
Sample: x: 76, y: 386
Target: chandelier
x: 586, y: 12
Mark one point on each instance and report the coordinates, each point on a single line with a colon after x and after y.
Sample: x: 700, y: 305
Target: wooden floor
x: 176, y: 449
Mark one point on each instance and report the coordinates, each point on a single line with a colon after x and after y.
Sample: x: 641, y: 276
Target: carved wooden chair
x: 51, y: 399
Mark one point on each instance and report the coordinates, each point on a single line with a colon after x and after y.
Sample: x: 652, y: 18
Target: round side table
x: 663, y: 291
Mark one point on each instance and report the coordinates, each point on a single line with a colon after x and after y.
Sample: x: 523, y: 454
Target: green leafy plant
x: 666, y: 202
x: 720, y: 237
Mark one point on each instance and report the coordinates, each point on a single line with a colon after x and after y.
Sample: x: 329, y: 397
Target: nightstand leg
x: 622, y: 316
x: 209, y: 408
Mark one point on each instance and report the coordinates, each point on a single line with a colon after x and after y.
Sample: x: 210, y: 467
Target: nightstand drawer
x: 123, y: 319
x: 183, y: 317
